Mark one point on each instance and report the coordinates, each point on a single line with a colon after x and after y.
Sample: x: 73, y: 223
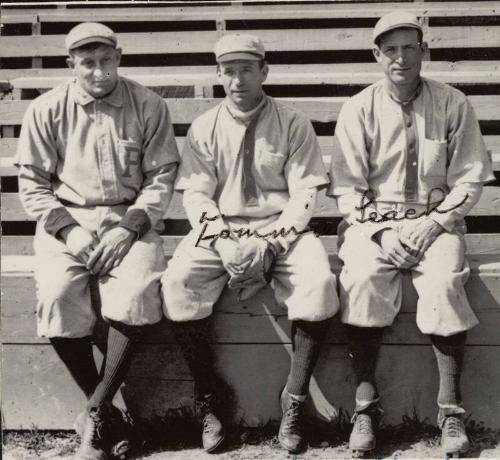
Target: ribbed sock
x: 116, y: 362
x: 307, y: 337
x: 193, y: 338
x: 449, y: 353
x: 364, y: 346
x: 76, y: 354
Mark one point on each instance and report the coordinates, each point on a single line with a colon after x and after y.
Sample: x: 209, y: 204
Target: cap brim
x: 239, y: 57
x: 86, y: 41
x: 397, y: 26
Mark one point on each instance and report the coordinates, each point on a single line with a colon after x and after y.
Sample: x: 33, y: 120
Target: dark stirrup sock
x: 306, y: 337
x: 449, y: 353
x: 76, y: 354
x: 364, y: 346
x: 116, y: 361
x: 193, y: 338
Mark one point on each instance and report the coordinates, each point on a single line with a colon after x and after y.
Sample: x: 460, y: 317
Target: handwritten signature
x: 411, y: 213
x: 243, y: 232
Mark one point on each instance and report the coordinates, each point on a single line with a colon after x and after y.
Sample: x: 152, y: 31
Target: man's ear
x: 70, y: 63
x: 265, y: 72
x: 377, y: 53
x: 118, y: 52
x: 424, y: 46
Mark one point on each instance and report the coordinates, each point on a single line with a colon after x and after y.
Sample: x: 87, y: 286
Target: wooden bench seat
x: 316, y: 52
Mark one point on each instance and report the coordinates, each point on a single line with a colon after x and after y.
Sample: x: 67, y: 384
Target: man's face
x: 242, y: 81
x: 400, y: 54
x: 96, y: 69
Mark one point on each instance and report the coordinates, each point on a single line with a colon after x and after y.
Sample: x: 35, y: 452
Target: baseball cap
x: 395, y: 20
x: 239, y: 46
x: 90, y: 32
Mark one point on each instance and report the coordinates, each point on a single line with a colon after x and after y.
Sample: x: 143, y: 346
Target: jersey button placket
x: 411, y: 187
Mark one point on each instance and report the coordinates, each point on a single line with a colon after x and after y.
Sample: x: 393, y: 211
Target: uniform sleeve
x: 36, y: 158
x: 304, y: 167
x: 294, y: 218
x: 457, y: 204
x: 198, y: 180
x: 349, y: 171
x: 469, y: 166
x: 159, y: 166
x: 468, y: 158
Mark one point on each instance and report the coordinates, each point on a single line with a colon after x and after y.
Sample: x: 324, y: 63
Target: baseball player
x: 408, y: 165
x: 249, y: 173
x: 97, y: 162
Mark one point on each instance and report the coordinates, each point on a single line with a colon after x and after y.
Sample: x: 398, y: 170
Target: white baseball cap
x: 90, y: 32
x: 395, y: 20
x: 239, y: 46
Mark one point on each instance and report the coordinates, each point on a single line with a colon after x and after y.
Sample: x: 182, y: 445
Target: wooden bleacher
x: 319, y: 55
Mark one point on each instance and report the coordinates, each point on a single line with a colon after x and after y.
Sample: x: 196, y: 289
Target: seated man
x: 250, y: 167
x: 97, y: 161
x: 408, y: 165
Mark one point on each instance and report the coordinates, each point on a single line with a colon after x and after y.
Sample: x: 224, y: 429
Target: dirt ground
x: 261, y: 444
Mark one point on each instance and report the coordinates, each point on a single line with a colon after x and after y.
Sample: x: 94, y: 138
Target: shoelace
x: 292, y: 416
x: 94, y: 434
x: 453, y: 427
x: 363, y: 424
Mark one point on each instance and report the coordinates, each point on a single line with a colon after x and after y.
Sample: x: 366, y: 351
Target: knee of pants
x: 365, y: 274
x: 322, y: 281
x: 183, y: 297
x: 62, y: 289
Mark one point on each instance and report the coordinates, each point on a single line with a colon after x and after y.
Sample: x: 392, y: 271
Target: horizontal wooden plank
x: 320, y: 109
x: 488, y: 205
x: 274, y: 40
x: 477, y: 243
x: 452, y: 72
x: 261, y: 319
x: 8, y: 148
x: 37, y: 391
x: 184, y: 111
x: 198, y: 13
x: 303, y: 74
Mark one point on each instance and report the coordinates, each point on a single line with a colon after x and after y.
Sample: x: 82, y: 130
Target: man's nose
x: 399, y: 55
x: 237, y: 79
x: 99, y: 72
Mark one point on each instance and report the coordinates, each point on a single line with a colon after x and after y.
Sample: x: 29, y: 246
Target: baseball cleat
x: 291, y: 432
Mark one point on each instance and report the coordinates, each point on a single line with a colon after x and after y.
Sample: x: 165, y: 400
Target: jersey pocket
x: 270, y: 163
x: 129, y: 155
x: 434, y: 158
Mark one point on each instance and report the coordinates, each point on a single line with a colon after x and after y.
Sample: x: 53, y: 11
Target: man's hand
x: 113, y: 247
x: 400, y: 256
x: 79, y: 241
x: 231, y: 256
x: 419, y: 234
x: 257, y: 275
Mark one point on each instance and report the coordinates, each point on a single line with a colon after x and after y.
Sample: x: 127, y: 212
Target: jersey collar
x: 80, y: 96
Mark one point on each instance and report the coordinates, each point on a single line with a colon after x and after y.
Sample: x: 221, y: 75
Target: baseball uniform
x: 98, y: 163
x: 287, y: 161
x: 412, y: 157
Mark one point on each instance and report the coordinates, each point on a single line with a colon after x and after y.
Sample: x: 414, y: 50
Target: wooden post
x: 36, y: 29
x: 427, y: 36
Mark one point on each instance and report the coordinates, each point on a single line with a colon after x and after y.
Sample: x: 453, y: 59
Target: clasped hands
x: 406, y: 247
x: 248, y: 264
x: 99, y: 256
